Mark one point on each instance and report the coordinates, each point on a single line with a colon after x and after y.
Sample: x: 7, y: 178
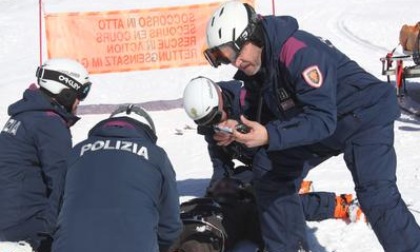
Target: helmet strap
x: 81, y: 90
x: 257, y: 37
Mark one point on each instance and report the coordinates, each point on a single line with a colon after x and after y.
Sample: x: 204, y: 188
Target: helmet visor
x: 82, y: 90
x: 214, y: 117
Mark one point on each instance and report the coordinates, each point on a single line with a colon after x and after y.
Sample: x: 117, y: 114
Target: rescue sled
x: 401, y: 65
x: 404, y: 60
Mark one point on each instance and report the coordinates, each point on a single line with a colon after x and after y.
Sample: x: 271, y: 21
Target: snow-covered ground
x: 364, y: 30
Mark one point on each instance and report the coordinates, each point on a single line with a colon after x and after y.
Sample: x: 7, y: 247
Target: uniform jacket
x: 314, y: 92
x: 120, y: 192
x: 34, y: 144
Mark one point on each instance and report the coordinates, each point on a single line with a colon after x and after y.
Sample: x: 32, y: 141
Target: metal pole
x: 40, y: 32
x: 273, y: 7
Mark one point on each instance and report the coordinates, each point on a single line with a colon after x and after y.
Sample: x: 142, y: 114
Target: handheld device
x: 225, y: 130
x: 242, y: 128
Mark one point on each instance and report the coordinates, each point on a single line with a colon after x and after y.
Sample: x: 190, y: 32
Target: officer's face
x: 249, y: 59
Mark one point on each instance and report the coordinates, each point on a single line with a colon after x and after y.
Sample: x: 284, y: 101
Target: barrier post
x: 273, y: 7
x: 40, y: 31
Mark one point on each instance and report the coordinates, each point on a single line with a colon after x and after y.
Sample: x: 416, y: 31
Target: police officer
x: 209, y: 103
x: 34, y: 144
x: 324, y: 104
x: 120, y: 191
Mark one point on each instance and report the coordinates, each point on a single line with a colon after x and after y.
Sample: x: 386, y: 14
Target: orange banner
x: 132, y: 40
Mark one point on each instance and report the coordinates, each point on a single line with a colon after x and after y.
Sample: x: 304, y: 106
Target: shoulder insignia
x: 313, y: 76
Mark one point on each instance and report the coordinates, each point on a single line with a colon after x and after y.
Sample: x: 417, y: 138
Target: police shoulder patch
x: 313, y: 76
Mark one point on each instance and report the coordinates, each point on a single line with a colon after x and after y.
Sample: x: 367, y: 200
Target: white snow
x: 364, y: 30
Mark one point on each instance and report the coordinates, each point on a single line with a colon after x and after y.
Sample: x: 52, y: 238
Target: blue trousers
x: 370, y: 156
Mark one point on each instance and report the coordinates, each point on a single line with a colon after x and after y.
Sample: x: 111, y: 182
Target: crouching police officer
x: 120, y: 191
x: 34, y: 144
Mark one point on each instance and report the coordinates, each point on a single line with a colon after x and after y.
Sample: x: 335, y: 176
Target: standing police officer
x: 323, y: 104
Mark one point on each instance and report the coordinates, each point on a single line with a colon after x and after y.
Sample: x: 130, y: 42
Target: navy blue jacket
x: 310, y: 87
x: 34, y: 144
x: 120, y: 192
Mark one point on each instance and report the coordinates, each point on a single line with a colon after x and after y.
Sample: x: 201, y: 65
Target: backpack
x: 203, y: 230
x: 215, y: 223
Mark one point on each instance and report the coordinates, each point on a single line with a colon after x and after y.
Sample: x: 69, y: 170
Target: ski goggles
x: 82, y: 90
x: 228, y: 52
x: 224, y: 54
x: 213, y: 117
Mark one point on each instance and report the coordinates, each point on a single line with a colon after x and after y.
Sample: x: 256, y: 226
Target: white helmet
x: 230, y: 26
x: 135, y: 112
x: 201, y: 100
x: 227, y: 23
x: 59, y: 74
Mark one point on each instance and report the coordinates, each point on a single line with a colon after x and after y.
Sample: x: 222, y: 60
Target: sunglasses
x: 82, y: 90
